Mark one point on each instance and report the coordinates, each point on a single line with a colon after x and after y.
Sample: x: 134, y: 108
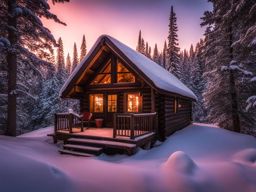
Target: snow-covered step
x: 82, y: 148
x: 69, y: 152
x: 103, y: 143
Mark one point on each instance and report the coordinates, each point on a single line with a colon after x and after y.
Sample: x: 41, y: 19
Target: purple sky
x: 123, y: 19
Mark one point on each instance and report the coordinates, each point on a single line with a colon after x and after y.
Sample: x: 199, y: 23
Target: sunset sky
x: 123, y: 19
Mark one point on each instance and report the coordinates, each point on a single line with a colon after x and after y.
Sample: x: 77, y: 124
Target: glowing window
x: 96, y: 103
x: 176, y: 105
x: 112, y: 103
x: 103, y: 77
x: 124, y: 75
x: 133, y: 102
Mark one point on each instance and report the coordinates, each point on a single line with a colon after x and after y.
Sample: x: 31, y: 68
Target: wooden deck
x: 130, y: 131
x: 94, y: 141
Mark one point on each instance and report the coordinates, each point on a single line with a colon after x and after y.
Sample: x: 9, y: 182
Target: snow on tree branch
x: 253, y: 79
x: 233, y: 66
x: 4, y: 42
x: 251, y: 103
x: 26, y: 93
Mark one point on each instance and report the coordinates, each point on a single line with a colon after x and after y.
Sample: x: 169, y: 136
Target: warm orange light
x: 133, y: 102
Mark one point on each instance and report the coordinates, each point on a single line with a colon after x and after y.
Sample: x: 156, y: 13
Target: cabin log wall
x: 180, y: 119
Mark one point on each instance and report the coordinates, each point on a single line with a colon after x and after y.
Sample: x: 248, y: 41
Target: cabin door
x: 111, y: 109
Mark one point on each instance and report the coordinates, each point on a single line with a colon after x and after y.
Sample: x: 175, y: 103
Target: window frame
x: 124, y: 72
x: 140, y: 102
x: 92, y: 104
x: 110, y: 101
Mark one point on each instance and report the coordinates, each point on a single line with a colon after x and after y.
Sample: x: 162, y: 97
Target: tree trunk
x: 12, y: 71
x: 233, y: 92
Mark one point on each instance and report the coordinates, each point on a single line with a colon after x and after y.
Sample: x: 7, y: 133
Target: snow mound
x: 246, y: 156
x: 39, y: 132
x: 180, y: 162
x: 28, y: 174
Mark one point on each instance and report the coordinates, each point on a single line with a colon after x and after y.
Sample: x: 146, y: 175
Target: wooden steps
x: 83, y: 149
x: 69, y: 152
x: 92, y: 146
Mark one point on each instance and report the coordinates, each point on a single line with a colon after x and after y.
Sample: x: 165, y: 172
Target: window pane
x: 102, y: 79
x: 112, y: 103
x: 125, y: 78
x: 133, y: 102
x: 121, y: 68
x: 96, y: 103
x: 104, y: 76
x: 107, y: 68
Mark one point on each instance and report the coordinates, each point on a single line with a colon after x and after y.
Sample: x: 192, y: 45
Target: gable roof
x: 156, y: 75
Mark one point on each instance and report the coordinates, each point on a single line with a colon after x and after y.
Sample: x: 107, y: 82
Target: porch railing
x: 134, y: 124
x: 66, y: 121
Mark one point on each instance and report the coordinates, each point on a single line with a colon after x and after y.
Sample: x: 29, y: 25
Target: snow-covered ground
x: 197, y: 158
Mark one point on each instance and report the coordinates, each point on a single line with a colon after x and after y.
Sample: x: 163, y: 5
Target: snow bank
x: 198, y: 158
x: 247, y: 156
x: 22, y: 173
x: 39, y: 133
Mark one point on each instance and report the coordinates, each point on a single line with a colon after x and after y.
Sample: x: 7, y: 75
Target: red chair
x: 85, y: 118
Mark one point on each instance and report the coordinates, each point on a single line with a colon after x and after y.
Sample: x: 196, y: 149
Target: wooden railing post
x: 114, y: 130
x: 132, y: 126
x: 70, y: 122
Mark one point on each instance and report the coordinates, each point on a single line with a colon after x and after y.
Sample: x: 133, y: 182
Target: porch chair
x: 85, y: 118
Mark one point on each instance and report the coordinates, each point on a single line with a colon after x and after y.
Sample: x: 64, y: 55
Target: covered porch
x: 130, y: 131
x: 126, y: 125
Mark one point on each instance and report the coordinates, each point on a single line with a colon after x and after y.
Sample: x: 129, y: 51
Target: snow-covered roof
x: 160, y: 77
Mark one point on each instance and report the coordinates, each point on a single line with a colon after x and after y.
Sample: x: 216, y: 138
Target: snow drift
x: 197, y: 158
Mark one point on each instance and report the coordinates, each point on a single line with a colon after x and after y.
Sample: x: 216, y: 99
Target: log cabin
x: 132, y: 94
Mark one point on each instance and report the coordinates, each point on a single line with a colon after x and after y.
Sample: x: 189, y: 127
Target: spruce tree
x: 83, y: 49
x: 156, y: 54
x: 22, y: 36
x: 141, y: 46
x: 60, y: 56
x: 173, y: 46
x: 75, y: 57
x: 198, y: 81
x: 68, y: 64
x: 138, y: 48
x: 221, y: 94
x: 164, y: 55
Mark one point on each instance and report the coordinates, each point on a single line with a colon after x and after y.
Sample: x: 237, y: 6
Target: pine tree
x: 141, y: 46
x: 75, y: 57
x: 49, y: 101
x: 198, y: 81
x: 68, y: 64
x: 22, y: 19
x: 164, y: 55
x: 60, y: 56
x: 149, y: 52
x: 138, y: 48
x: 173, y: 46
x: 156, y: 55
x: 191, y: 52
x: 221, y: 94
x: 83, y: 49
